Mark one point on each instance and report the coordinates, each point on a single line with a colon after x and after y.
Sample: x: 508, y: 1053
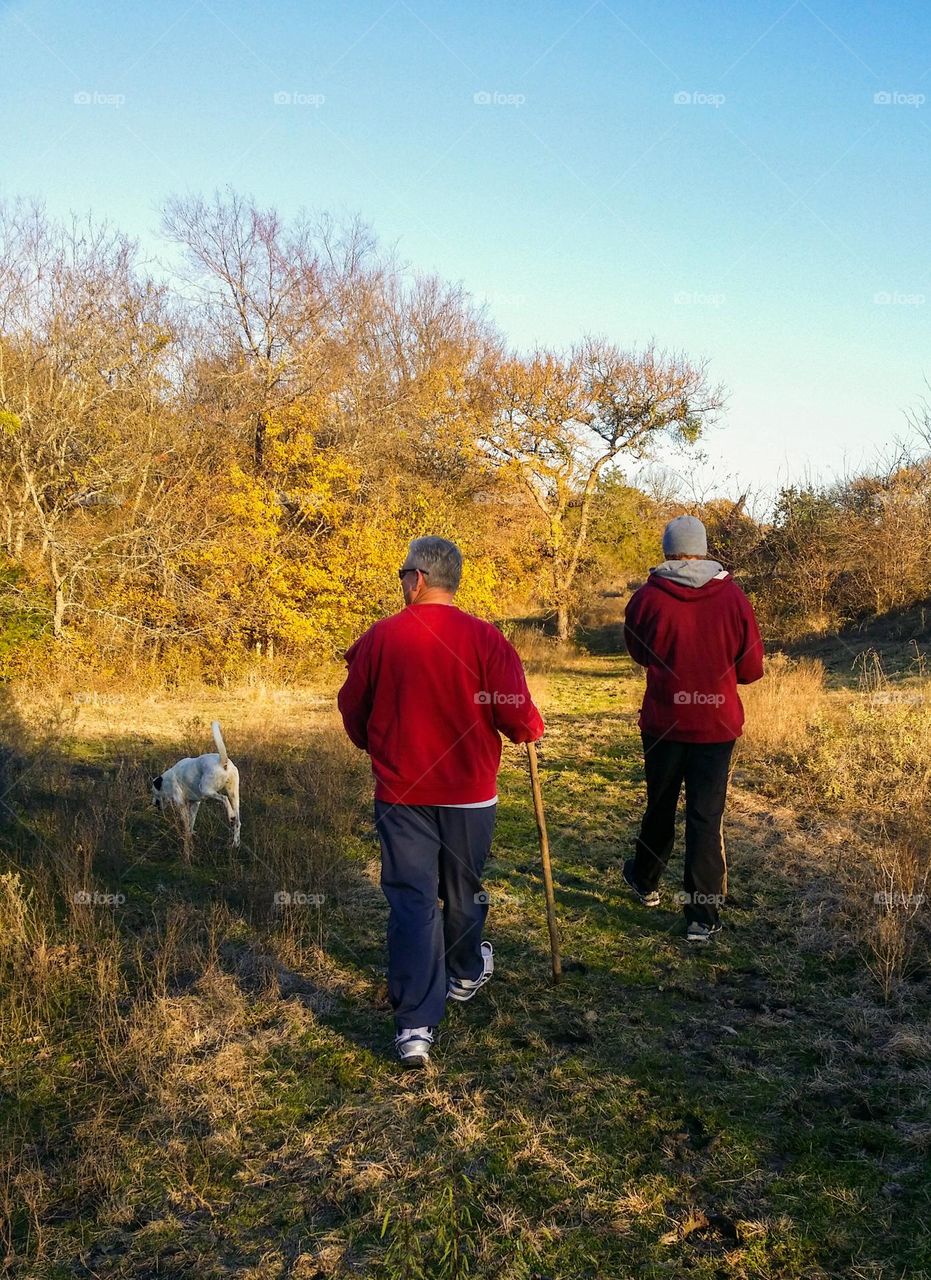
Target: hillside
x: 899, y: 641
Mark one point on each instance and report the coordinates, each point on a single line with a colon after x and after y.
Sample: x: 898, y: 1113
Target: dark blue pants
x: 430, y: 852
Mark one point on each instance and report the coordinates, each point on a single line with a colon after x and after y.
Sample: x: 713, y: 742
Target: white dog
x: 191, y: 780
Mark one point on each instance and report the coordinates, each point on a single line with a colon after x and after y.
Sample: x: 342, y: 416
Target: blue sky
x: 721, y: 178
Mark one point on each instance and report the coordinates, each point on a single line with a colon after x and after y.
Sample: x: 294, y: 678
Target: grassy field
x: 197, y: 1081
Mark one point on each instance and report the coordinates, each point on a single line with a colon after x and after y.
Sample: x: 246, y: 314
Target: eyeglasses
x: 402, y: 572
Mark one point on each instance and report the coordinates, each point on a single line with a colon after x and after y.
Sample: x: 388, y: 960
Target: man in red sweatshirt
x: 694, y: 630
x: 428, y: 693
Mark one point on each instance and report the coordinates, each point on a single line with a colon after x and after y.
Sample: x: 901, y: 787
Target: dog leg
x: 189, y: 817
x: 232, y: 812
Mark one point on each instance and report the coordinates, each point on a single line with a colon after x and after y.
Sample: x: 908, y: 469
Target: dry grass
x: 543, y: 654
x: 254, y: 708
x: 861, y: 758
x: 148, y: 1012
x: 782, y: 707
x: 201, y: 1050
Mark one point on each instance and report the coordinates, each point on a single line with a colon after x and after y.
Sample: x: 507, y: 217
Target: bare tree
x: 558, y: 421
x: 81, y: 387
x: 271, y: 302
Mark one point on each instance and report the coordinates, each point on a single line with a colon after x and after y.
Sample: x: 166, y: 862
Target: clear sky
x: 720, y: 177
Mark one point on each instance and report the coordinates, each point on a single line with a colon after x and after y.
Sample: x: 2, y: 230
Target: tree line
x: 227, y: 456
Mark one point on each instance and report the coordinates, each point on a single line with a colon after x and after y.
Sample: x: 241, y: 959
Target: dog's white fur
x: 193, y: 779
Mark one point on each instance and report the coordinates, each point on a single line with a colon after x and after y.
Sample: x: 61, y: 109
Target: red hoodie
x: 697, y: 644
x: 428, y: 692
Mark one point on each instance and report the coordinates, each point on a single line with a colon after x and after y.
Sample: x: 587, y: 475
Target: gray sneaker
x: 413, y: 1045
x: 463, y: 989
x: 701, y: 933
x: 649, y: 897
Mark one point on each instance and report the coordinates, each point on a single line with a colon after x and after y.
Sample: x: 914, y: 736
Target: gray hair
x: 440, y: 559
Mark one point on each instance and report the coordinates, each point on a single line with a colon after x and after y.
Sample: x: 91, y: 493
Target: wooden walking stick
x: 545, y: 859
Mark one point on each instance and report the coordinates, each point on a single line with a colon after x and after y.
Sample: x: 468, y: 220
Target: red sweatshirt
x: 697, y: 644
x: 428, y: 692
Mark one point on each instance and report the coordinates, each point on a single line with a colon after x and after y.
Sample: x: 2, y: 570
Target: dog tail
x: 221, y: 745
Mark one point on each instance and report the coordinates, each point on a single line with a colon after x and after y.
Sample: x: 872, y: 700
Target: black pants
x: 703, y: 767
x: 430, y: 852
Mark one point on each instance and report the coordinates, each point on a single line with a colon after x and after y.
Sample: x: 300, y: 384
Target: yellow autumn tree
x: 273, y: 571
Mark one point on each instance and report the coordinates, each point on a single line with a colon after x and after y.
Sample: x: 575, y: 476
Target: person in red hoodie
x: 428, y: 693
x: 694, y: 630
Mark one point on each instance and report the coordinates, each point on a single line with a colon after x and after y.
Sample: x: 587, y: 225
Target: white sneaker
x: 465, y: 988
x: 649, y: 897
x: 701, y: 933
x: 413, y: 1045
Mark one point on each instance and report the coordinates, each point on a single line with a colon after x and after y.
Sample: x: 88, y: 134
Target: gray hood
x: 690, y: 573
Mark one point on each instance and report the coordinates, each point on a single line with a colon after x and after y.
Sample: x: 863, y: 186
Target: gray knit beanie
x: 685, y: 536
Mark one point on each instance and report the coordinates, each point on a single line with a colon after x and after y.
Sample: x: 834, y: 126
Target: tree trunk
x: 58, y: 616
x: 261, y: 426
x: 560, y: 583
x: 58, y: 587
x: 19, y: 537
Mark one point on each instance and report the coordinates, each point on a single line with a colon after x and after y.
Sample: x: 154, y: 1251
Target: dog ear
x: 157, y: 783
